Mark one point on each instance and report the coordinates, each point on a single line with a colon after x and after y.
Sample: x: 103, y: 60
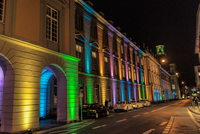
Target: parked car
x: 94, y: 110
x: 137, y: 104
x: 122, y: 105
x: 146, y: 103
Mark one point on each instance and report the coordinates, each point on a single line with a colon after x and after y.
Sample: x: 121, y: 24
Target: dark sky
x: 168, y: 22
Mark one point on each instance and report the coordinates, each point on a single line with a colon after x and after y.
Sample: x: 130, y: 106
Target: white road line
x: 146, y: 113
x: 169, y: 125
x: 136, y: 116
x: 110, y: 116
x: 103, y: 125
x: 96, y: 127
x: 149, y: 131
x: 121, y: 120
x: 163, y: 123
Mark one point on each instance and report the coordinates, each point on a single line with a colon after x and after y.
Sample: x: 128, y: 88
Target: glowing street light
x: 182, y: 82
x: 177, y: 74
x: 163, y: 61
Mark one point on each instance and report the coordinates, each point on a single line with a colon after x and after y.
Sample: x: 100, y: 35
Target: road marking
x: 146, y: 113
x: 169, y: 125
x: 103, y: 125
x: 110, y: 116
x: 149, y: 131
x: 121, y: 120
x: 96, y: 127
x: 160, y: 108
x: 136, y: 116
x: 163, y: 123
x: 193, y: 119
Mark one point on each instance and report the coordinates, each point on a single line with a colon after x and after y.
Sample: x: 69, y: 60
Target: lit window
x: 51, y: 24
x: 122, y: 49
x: 2, y: 9
x: 123, y: 71
x: 199, y: 73
x: 129, y: 72
x: 106, y: 59
x: 78, y: 50
x: 94, y: 54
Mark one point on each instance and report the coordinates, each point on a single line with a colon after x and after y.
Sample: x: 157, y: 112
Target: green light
x: 36, y: 47
x: 143, y: 93
x: 89, y: 90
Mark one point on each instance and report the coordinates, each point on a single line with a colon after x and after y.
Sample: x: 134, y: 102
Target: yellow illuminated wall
x: 119, y: 60
x: 101, y: 56
x: 21, y: 110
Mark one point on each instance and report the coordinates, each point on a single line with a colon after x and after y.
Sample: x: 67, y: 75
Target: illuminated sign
x: 160, y: 49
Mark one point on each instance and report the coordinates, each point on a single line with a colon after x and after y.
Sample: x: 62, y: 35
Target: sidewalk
x: 195, y: 112
x: 68, y: 128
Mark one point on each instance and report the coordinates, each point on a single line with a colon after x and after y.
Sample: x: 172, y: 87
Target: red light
x: 113, y: 105
x: 123, y: 105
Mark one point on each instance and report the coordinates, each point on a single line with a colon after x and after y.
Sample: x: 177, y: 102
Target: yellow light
x: 182, y: 82
x: 177, y: 74
x: 163, y: 60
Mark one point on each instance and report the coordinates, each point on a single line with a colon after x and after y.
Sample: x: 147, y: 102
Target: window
x: 105, y: 37
x: 94, y: 31
x: 135, y: 74
x: 114, y: 44
x: 123, y: 71
x: 78, y: 22
x: 138, y: 60
x: 79, y: 54
x: 51, y: 24
x: 116, y: 68
x: 2, y: 9
x: 122, y: 49
x: 129, y: 73
x: 106, y: 65
x: 94, y: 62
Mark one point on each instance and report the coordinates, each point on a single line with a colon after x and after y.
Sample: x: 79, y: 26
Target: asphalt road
x: 171, y: 117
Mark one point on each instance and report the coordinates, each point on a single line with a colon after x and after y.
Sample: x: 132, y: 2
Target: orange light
x: 113, y: 105
x: 123, y: 105
x: 163, y: 60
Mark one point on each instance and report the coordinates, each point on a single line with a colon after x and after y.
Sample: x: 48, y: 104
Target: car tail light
x: 113, y: 105
x: 123, y: 105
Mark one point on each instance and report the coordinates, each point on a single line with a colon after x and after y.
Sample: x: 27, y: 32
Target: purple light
x: 114, y: 92
x: 1, y: 86
x: 135, y: 91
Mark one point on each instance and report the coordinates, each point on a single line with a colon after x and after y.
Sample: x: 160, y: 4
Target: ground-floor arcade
x: 35, y: 83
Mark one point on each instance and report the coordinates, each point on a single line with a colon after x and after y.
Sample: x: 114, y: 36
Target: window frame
x: 51, y: 20
x: 3, y: 11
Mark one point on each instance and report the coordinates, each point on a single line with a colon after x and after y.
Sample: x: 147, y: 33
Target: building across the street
x: 55, y: 53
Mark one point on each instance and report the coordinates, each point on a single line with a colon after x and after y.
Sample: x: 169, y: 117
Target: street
x: 170, y: 117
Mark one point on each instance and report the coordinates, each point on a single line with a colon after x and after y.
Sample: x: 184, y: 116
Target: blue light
x: 44, y: 92
x: 155, y: 95
x: 122, y: 91
x: 160, y: 95
x: 129, y: 92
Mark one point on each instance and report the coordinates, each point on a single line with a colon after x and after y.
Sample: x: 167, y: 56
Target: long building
x: 54, y: 51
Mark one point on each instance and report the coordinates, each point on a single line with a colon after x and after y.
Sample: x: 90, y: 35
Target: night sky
x: 171, y: 23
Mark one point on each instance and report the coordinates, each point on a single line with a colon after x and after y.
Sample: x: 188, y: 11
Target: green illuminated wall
x: 23, y: 97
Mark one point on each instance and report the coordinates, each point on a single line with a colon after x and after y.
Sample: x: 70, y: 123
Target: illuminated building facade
x: 111, y: 67
x: 197, y: 49
x: 165, y: 85
x: 154, y: 78
x: 38, y: 70
x: 174, y: 82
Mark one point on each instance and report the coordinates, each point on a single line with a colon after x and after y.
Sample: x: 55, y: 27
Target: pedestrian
x: 196, y: 101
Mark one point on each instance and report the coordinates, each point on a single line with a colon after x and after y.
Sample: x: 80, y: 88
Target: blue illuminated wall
x: 122, y: 91
x: 167, y: 94
x: 129, y: 92
x: 155, y: 95
x: 44, y: 92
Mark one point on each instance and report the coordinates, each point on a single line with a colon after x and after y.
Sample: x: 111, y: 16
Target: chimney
x: 110, y: 21
x: 89, y: 3
x: 101, y: 14
x: 125, y: 34
x: 118, y: 28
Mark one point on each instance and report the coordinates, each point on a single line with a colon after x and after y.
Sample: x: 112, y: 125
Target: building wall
x: 25, y: 52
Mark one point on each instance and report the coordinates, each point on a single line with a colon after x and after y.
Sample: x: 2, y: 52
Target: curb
x: 193, y: 111
x: 193, y: 118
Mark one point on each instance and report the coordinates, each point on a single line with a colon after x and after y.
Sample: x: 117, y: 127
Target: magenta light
x: 114, y: 92
x: 135, y: 96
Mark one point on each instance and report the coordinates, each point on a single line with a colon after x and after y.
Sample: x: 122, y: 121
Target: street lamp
x: 182, y: 82
x: 177, y: 74
x: 163, y: 61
